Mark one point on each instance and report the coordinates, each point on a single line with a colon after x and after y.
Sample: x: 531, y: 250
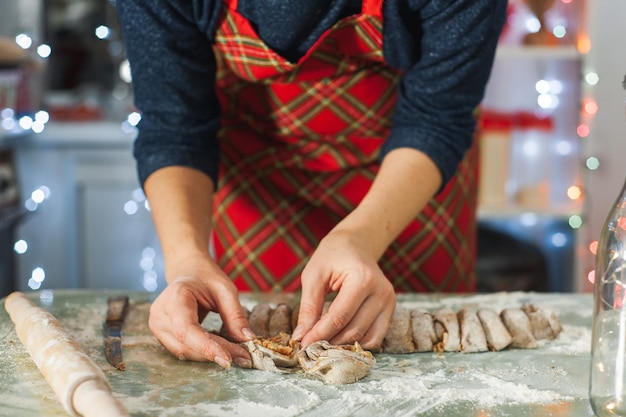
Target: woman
x: 342, y: 133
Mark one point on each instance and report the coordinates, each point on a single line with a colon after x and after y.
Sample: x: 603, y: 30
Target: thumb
x: 311, y: 305
x: 234, y: 317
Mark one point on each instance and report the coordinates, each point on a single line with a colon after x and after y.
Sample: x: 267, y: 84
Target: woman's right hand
x: 200, y: 287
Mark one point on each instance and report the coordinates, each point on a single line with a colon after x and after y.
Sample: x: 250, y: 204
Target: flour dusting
x: 552, y: 377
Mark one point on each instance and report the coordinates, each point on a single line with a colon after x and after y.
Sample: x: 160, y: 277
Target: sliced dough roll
x: 295, y: 312
x: 544, y: 323
x: 259, y: 319
x: 399, y: 337
x: 423, y: 330
x: 496, y: 333
x: 472, y: 334
x: 447, y: 331
x: 280, y: 320
x: 518, y: 324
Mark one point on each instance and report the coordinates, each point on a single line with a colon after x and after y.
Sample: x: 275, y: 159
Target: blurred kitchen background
x: 552, y: 137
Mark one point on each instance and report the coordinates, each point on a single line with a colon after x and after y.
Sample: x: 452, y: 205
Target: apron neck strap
x: 231, y: 4
x: 373, y: 8
x: 370, y: 7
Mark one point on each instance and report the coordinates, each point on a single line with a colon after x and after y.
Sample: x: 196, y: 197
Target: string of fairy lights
x: 13, y: 123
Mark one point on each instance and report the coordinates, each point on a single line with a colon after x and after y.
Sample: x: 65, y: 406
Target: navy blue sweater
x: 444, y: 47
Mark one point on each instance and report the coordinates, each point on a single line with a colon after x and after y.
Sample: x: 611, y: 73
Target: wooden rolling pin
x: 80, y: 385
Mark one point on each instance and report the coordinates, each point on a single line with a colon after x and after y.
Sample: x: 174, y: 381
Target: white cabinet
x: 93, y: 228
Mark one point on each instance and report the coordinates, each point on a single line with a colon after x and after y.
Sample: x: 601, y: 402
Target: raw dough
x: 410, y: 330
x: 423, y: 329
x: 544, y: 323
x: 472, y: 334
x: 259, y: 319
x: 518, y: 324
x: 294, y: 316
x: 497, y: 335
x: 336, y: 364
x: 280, y: 320
x: 274, y: 353
x: 399, y: 337
x: 447, y: 331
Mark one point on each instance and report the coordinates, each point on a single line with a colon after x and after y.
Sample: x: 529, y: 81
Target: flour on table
x: 429, y: 384
x: 572, y: 340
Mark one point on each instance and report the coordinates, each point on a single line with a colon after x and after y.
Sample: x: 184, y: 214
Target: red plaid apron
x: 299, y: 146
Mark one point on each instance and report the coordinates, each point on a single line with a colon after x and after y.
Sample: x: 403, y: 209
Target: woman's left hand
x: 365, y: 300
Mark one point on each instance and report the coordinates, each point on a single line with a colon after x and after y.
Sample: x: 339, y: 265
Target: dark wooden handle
x: 117, y: 307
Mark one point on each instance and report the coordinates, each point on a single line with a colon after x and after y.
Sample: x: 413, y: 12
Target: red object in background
x: 77, y: 113
x: 496, y: 145
x: 528, y: 120
x: 493, y: 120
x: 523, y: 120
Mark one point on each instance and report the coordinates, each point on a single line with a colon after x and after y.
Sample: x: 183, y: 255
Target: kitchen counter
x: 548, y: 381
x: 96, y: 134
x: 89, y: 178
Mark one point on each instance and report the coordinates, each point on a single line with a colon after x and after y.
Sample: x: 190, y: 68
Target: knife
x: 116, y: 310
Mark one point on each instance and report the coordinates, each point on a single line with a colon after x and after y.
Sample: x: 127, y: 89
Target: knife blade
x: 116, y: 311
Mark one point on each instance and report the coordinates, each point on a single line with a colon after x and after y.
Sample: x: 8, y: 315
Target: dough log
x: 280, y: 320
x: 410, y: 330
x: 80, y: 385
x: 259, y: 320
x: 473, y: 337
x: 399, y: 337
x: 444, y: 330
x: 498, y: 337
x: 447, y: 331
x: 520, y: 328
x: 423, y: 330
x: 544, y: 323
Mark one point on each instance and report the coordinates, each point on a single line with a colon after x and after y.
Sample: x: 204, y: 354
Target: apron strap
x: 373, y: 8
x: 370, y: 7
x: 231, y: 4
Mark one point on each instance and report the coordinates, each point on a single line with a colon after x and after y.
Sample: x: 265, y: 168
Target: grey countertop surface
x: 551, y: 380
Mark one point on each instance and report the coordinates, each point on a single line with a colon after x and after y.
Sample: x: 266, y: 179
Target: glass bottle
x: 607, y: 385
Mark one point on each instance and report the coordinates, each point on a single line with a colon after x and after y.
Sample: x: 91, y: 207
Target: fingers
x: 360, y: 312
x: 187, y: 340
x: 233, y: 315
x: 368, y: 326
x: 311, y: 304
x: 186, y: 329
x: 373, y: 337
x: 175, y: 322
x: 339, y: 316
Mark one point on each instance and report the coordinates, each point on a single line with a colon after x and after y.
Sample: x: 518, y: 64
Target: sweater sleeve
x: 173, y: 70
x: 446, y: 49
